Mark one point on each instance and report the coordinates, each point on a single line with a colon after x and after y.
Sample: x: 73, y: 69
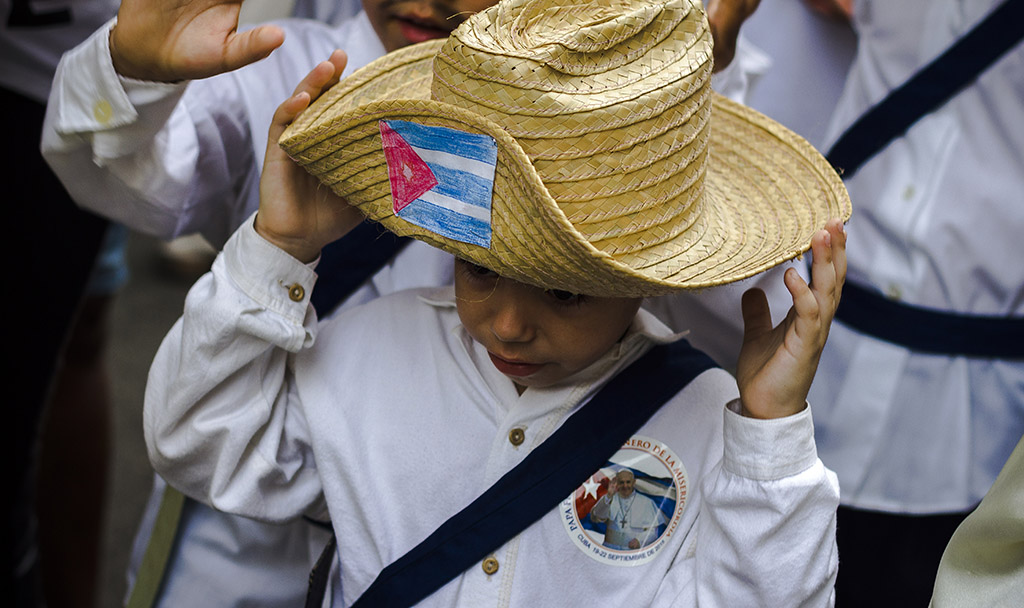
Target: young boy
x: 173, y: 154
x: 573, y: 196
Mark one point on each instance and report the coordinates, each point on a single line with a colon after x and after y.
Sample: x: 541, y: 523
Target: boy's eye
x: 564, y: 297
x: 475, y: 272
x: 481, y: 271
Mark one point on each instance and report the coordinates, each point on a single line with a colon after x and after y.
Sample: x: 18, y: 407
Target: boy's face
x: 400, y: 23
x: 534, y: 336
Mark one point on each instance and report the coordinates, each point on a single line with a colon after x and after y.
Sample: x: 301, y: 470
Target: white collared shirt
x: 392, y: 416
x: 937, y: 219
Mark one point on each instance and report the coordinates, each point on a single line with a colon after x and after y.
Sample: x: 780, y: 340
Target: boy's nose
x: 511, y: 321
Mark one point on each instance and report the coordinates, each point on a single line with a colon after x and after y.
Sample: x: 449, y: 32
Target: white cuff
x: 91, y: 96
x: 766, y: 450
x: 267, y: 274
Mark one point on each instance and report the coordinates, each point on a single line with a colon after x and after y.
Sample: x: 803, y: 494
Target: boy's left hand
x: 776, y: 365
x: 297, y: 213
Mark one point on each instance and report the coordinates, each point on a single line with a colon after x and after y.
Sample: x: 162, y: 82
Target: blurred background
x: 160, y: 275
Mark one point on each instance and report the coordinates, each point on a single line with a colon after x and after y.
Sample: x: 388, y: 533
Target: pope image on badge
x: 625, y: 511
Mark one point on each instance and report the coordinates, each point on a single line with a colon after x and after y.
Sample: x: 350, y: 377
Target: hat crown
x: 610, y: 100
x: 578, y: 48
x: 557, y: 36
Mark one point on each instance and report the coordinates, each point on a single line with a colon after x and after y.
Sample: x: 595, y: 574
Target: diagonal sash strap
x: 928, y: 330
x: 582, y: 445
x: 151, y: 572
x: 349, y: 261
x: 861, y: 308
x: 932, y: 86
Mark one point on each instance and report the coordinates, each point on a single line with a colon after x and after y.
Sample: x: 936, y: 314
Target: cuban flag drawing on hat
x: 441, y: 178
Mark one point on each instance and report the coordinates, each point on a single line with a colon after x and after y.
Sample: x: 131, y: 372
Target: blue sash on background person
x: 862, y: 307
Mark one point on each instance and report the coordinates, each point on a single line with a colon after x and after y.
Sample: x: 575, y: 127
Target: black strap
x: 320, y: 575
x: 582, y: 445
x: 929, y: 330
x: 348, y: 262
x: 929, y: 88
x: 924, y: 329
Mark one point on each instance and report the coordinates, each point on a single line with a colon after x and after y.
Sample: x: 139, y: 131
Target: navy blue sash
x: 861, y: 308
x: 932, y: 86
x: 582, y: 445
x: 928, y: 330
x: 349, y: 261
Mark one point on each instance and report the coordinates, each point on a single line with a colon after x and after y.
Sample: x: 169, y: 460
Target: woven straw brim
x: 765, y: 193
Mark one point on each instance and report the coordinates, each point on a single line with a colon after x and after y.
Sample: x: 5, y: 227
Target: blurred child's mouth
x: 420, y: 31
x: 518, y: 369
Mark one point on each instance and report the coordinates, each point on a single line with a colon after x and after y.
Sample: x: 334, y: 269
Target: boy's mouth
x: 518, y: 369
x: 417, y: 30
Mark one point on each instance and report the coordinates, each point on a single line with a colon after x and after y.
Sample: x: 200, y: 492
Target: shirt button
x: 908, y: 193
x: 893, y: 292
x: 490, y: 566
x: 296, y: 292
x: 516, y: 436
x: 102, y: 111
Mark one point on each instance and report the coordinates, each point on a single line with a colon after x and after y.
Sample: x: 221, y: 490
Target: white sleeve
x: 131, y: 150
x: 766, y: 532
x: 221, y: 419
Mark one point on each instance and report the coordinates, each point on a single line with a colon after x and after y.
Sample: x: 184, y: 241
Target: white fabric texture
x: 936, y: 223
x: 391, y: 409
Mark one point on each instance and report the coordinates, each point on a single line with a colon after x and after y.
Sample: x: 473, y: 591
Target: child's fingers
x: 757, y: 317
x: 250, y: 46
x: 287, y: 112
x: 808, y: 320
x: 339, y: 60
x: 835, y: 227
x: 323, y: 75
x: 823, y: 270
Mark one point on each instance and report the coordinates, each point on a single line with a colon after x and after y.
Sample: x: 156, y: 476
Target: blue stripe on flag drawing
x: 455, y: 226
x: 461, y: 185
x: 459, y: 206
x: 469, y: 145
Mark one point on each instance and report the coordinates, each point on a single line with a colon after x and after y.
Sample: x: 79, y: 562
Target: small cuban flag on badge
x: 441, y: 178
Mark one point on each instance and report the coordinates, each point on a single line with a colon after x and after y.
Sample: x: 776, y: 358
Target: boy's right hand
x: 172, y: 40
x: 297, y: 213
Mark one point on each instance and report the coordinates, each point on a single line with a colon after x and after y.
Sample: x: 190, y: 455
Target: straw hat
x: 616, y: 170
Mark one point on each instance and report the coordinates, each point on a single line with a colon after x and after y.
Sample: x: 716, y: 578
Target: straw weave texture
x: 619, y: 173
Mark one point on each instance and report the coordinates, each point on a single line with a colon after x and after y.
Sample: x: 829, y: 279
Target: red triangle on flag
x: 409, y: 175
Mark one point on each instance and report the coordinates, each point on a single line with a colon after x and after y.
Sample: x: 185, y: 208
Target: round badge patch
x: 625, y: 513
